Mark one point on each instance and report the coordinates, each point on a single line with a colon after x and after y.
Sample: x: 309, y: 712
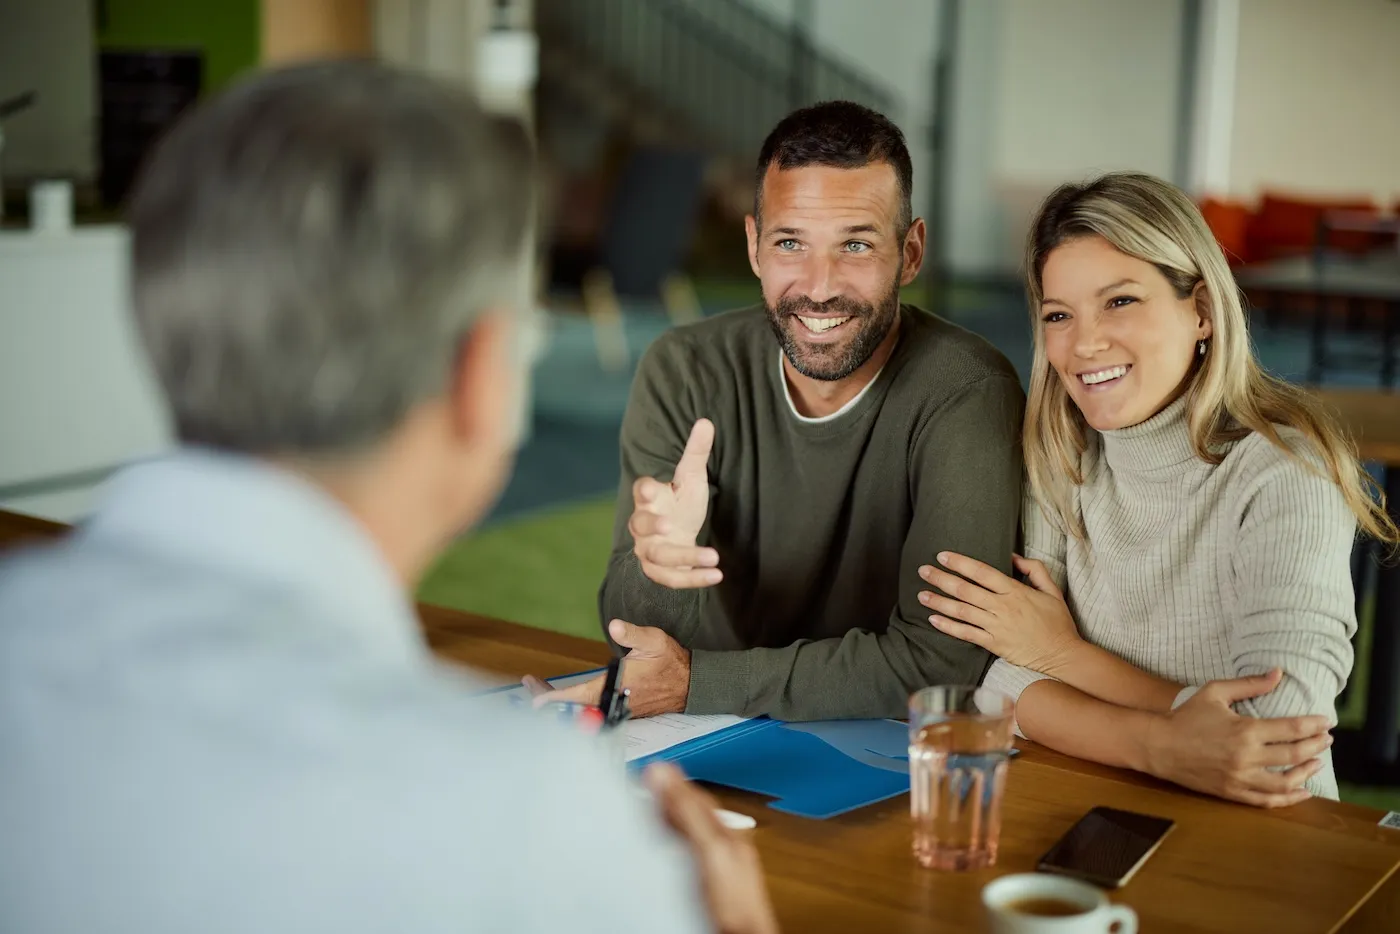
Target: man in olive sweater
x: 786, y: 469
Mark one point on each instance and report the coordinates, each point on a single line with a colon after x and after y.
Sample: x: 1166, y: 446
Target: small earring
x: 1201, y: 348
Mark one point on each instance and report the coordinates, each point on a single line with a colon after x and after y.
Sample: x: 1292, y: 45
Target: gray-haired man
x: 216, y: 710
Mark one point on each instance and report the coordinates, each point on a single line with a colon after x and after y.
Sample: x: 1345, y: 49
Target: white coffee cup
x: 1096, y: 914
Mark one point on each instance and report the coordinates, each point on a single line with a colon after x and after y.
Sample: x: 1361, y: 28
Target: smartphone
x: 1106, y: 846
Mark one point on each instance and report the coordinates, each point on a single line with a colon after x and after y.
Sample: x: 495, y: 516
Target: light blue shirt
x: 217, y: 714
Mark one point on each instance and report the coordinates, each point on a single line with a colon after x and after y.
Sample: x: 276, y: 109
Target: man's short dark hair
x: 840, y: 134
x: 309, y: 248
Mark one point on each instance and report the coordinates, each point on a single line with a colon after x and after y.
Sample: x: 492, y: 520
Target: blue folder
x: 818, y: 769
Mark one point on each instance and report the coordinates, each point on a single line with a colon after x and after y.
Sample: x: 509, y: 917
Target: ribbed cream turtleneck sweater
x: 1198, y: 572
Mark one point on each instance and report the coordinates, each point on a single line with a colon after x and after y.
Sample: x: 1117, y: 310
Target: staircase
x: 715, y: 75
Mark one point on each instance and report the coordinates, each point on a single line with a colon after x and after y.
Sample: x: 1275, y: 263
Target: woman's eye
x: 1055, y: 316
x: 1120, y: 301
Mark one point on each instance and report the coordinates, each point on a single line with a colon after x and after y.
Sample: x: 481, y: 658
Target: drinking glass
x: 959, y: 745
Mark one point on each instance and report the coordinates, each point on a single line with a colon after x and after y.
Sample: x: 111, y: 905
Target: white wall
x: 1087, y: 86
x: 47, y: 46
x: 1053, y: 91
x: 76, y: 393
x: 1317, y: 106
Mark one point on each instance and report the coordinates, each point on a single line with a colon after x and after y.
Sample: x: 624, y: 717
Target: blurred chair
x: 642, y: 245
x: 1289, y: 225
x: 1229, y: 221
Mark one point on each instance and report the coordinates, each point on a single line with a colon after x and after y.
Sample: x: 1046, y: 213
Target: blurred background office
x: 1282, y: 117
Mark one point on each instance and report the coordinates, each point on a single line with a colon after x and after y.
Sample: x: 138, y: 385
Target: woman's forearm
x: 1103, y: 675
x: 1069, y: 721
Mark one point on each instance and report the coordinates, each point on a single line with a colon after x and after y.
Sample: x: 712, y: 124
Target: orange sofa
x: 1285, y: 225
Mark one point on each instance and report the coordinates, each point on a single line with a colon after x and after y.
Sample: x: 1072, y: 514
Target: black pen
x: 610, y: 684
x: 621, y: 711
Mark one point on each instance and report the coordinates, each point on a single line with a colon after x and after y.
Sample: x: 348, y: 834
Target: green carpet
x: 543, y: 570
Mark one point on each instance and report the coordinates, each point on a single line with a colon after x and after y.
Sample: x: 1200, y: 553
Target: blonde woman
x: 1188, y: 608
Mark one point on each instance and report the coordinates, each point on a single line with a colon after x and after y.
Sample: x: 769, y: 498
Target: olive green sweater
x: 821, y: 525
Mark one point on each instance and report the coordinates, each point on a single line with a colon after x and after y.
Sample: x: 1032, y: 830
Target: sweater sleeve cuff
x: 1011, y: 680
x: 719, y: 682
x: 1184, y: 695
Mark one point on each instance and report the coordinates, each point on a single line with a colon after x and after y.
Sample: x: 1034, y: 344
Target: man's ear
x: 915, y: 242
x: 751, y: 234
x: 486, y: 383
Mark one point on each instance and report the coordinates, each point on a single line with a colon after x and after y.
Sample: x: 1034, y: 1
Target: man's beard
x: 831, y: 362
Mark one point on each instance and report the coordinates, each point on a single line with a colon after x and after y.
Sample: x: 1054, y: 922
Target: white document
x: 643, y: 736
x: 655, y: 734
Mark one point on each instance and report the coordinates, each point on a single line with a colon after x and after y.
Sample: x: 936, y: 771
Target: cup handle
x: 1124, y: 917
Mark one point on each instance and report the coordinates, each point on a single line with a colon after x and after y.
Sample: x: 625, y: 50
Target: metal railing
x: 729, y: 70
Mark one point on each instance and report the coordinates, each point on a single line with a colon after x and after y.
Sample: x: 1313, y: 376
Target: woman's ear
x: 1205, y: 311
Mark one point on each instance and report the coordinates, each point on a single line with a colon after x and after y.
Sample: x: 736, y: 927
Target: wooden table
x: 1372, y: 756
x: 1373, y: 418
x: 1319, y: 867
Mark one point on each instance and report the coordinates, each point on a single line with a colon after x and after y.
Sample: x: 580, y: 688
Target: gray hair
x: 310, y: 247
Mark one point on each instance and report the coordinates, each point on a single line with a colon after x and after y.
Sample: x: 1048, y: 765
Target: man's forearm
x: 1069, y: 721
x: 858, y: 675
x: 628, y: 594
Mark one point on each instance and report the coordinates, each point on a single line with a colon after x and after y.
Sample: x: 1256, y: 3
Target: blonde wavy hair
x: 1229, y: 394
